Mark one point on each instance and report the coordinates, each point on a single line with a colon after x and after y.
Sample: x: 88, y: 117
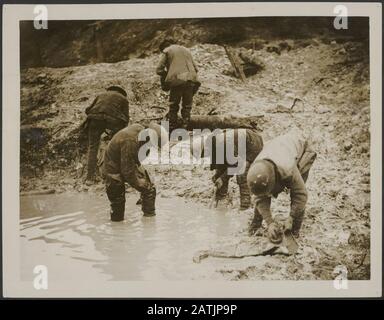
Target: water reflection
x: 72, y: 235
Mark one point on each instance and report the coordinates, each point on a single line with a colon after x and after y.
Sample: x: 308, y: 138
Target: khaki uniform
x: 292, y: 157
x: 181, y: 78
x: 254, y: 144
x: 110, y: 110
x: 121, y: 164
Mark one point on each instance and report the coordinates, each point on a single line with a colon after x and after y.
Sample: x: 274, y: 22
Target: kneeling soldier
x: 283, y: 163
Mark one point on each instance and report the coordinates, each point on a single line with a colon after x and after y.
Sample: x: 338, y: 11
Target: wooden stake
x: 235, y: 63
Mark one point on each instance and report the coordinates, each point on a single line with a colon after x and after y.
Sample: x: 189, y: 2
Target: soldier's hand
x: 275, y: 232
x: 219, y: 183
x: 142, y: 183
x: 287, y: 225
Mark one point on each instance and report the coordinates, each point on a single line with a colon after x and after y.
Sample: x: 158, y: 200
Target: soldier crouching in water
x: 284, y: 162
x: 122, y: 164
x: 253, y: 146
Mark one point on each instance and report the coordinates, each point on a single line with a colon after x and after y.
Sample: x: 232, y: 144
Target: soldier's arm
x: 263, y: 205
x: 130, y: 170
x: 195, y: 66
x: 162, y: 65
x: 299, y: 194
x: 91, y: 106
x: 125, y: 109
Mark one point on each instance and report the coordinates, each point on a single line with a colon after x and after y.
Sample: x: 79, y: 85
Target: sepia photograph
x: 233, y: 149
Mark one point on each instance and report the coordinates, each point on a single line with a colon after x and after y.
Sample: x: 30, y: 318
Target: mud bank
x: 330, y: 80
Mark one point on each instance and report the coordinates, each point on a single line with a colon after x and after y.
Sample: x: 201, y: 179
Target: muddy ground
x: 331, y: 80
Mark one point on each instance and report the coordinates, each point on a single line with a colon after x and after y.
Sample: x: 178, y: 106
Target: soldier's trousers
x: 116, y: 195
x: 95, y: 130
x: 184, y: 94
x: 245, y: 195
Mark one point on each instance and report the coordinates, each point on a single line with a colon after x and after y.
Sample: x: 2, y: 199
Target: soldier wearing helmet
x: 283, y: 163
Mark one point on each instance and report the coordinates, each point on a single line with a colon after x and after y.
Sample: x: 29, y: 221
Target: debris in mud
x: 225, y: 121
x: 235, y: 62
x: 245, y: 63
x: 37, y: 192
x: 348, y: 146
x: 257, y: 246
x: 260, y: 246
x: 251, y: 62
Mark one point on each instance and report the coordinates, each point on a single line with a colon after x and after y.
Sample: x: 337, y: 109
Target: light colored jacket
x: 178, y: 63
x: 285, y: 151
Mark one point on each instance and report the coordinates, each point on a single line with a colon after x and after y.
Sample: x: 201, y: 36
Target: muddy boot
x: 221, y: 193
x: 173, y: 121
x: 296, y: 224
x: 185, y: 124
x: 117, y: 211
x: 245, y: 195
x: 256, y: 223
x: 89, y: 181
x: 186, y: 117
x: 116, y: 195
x: 148, y: 202
x: 245, y: 202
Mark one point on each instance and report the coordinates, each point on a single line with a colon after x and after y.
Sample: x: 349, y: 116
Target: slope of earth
x: 81, y: 42
x: 328, y: 84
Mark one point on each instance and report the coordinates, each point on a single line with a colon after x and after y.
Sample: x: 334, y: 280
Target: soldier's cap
x: 166, y: 43
x: 117, y: 89
x: 261, y: 177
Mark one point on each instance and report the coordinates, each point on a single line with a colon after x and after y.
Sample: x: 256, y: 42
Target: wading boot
x: 185, y: 122
x: 222, y: 192
x: 117, y: 212
x: 245, y: 195
x: 148, y: 202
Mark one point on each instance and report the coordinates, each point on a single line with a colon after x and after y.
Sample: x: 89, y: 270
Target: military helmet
x: 117, y: 89
x: 166, y: 43
x: 261, y: 177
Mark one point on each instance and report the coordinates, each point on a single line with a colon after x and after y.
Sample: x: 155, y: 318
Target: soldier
x: 253, y: 146
x: 283, y: 163
x: 122, y: 164
x: 178, y: 73
x: 110, y: 110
